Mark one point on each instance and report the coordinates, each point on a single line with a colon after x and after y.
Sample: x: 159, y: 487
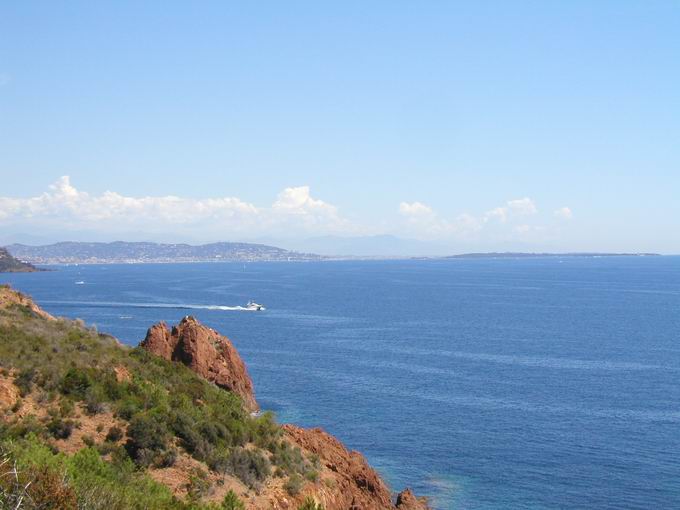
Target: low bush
x: 95, y: 400
x: 294, y: 485
x: 310, y: 504
x: 147, y: 438
x: 198, y: 485
x: 114, y: 434
x: 75, y: 383
x: 24, y: 381
x: 60, y: 429
x: 250, y: 466
x: 232, y: 502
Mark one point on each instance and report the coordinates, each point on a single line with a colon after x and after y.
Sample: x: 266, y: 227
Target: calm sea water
x: 481, y: 383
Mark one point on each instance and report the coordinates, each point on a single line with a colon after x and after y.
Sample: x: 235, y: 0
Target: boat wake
x: 174, y: 306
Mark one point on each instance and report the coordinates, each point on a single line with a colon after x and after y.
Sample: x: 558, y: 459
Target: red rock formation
x: 406, y: 500
x: 349, y: 481
x: 206, y: 352
x: 357, y: 485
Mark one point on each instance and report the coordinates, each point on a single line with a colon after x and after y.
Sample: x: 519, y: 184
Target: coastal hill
x: 136, y: 252
x: 10, y: 264
x: 90, y: 423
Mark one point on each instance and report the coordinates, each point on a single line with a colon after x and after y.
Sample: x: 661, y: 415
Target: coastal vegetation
x: 160, y: 409
x: 89, y: 423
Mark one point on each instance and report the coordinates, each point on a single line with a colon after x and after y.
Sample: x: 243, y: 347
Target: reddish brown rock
x: 122, y: 374
x: 406, y: 500
x: 9, y: 393
x: 357, y: 485
x: 206, y: 352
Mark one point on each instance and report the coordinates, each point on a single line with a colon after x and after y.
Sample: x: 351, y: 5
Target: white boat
x: 252, y: 305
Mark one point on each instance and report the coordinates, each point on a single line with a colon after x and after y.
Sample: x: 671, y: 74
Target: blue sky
x: 344, y: 118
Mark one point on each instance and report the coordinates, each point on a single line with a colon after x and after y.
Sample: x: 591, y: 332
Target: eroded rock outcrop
x: 357, y: 485
x: 349, y: 482
x: 406, y: 500
x: 206, y: 352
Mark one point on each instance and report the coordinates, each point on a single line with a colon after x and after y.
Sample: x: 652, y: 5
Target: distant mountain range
x: 9, y: 264
x: 135, y: 252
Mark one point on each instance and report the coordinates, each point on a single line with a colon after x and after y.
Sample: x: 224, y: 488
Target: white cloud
x: 414, y: 209
x: 519, y: 207
x: 499, y: 222
x: 293, y: 213
x: 523, y: 206
x: 423, y: 221
x: 65, y: 206
x: 299, y: 201
x: 499, y: 213
x: 564, y: 213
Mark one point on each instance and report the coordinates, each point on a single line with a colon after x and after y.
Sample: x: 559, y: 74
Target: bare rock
x: 357, y: 485
x: 406, y: 500
x: 206, y: 352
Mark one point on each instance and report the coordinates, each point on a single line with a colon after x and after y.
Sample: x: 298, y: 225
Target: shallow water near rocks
x: 533, y: 383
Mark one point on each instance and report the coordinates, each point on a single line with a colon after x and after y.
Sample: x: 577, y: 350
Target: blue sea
x: 484, y: 384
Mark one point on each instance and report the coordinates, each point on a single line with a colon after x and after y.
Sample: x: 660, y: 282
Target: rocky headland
x: 181, y: 407
x: 10, y: 264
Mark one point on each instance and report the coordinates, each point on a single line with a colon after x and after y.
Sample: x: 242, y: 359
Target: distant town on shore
x: 121, y: 252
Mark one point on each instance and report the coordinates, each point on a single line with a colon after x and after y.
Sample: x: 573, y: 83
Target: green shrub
x: 220, y: 462
x: 250, y: 466
x: 232, y: 502
x: 24, y: 427
x: 94, y: 400
x: 24, y: 381
x: 147, y: 437
x: 288, y: 458
x: 165, y: 458
x: 310, y: 504
x: 66, y: 407
x: 114, y: 434
x: 198, y: 485
x: 75, y: 382
x: 84, y: 481
x: 294, y: 484
x: 60, y: 429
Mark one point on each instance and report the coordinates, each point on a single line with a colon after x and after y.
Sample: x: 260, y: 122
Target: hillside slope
x: 9, y: 264
x: 93, y: 424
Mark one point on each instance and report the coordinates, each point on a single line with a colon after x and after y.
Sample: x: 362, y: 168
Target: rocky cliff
x: 355, y: 484
x: 350, y: 483
x: 206, y: 352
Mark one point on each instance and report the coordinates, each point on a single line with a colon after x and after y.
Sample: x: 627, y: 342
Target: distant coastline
x: 526, y: 255
x: 122, y: 252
